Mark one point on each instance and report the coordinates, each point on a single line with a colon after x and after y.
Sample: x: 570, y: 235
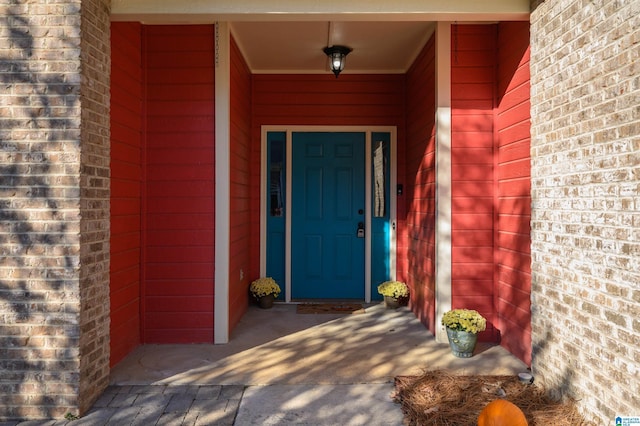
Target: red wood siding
x: 472, y: 204
x: 241, y: 232
x: 513, y: 258
x: 126, y: 183
x: 325, y: 100
x: 416, y: 236
x: 179, y: 192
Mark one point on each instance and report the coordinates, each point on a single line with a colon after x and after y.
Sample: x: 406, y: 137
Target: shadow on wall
x: 38, y: 234
x: 420, y: 238
x: 490, y: 190
x: 512, y: 281
x: 562, y: 388
x: 417, y: 208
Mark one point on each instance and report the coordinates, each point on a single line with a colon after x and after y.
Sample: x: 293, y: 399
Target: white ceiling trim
x: 209, y: 11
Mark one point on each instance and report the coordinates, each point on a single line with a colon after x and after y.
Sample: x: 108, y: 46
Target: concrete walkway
x: 284, y: 368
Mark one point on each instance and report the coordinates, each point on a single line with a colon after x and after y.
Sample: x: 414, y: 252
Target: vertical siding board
x: 126, y: 177
x: 178, y: 196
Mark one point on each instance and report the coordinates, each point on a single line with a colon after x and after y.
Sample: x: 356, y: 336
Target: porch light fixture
x: 337, y: 55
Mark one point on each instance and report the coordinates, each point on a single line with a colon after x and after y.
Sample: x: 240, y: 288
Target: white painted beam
x: 222, y: 174
x: 209, y: 11
x: 443, y: 175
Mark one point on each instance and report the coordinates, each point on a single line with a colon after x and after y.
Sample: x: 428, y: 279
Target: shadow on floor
x: 279, y: 346
x: 284, y: 368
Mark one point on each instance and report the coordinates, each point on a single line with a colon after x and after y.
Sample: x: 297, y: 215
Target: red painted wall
x: 171, y: 180
x: 416, y: 224
x: 472, y: 205
x: 126, y: 184
x: 323, y: 99
x: 178, y: 222
x: 513, y: 177
x: 240, y: 232
x: 491, y: 179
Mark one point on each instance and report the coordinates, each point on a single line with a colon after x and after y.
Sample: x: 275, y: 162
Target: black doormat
x: 330, y: 308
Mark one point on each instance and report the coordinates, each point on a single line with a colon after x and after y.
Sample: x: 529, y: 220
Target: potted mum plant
x: 463, y: 326
x: 395, y: 293
x: 265, y: 290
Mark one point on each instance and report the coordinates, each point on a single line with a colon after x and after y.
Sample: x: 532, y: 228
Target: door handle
x: 360, y: 231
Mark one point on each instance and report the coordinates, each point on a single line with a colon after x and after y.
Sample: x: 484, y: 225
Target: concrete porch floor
x: 283, y: 368
x: 279, y: 346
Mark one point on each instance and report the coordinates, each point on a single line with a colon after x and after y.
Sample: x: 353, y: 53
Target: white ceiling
x: 296, y: 47
x: 287, y: 36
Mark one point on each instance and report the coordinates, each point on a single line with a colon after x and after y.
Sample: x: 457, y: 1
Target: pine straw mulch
x: 439, y: 398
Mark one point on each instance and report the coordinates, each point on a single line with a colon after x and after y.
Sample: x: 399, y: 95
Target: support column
x: 222, y: 161
x: 54, y: 215
x: 443, y: 175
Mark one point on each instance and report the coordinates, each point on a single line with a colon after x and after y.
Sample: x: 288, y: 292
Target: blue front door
x: 328, y: 215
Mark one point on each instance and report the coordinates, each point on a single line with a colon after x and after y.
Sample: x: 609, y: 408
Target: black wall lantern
x: 337, y: 55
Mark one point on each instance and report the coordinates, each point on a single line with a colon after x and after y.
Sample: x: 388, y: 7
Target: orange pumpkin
x: 501, y: 413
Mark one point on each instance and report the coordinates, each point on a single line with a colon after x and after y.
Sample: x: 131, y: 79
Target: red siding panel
x: 126, y: 181
x: 491, y: 179
x: 472, y: 121
x: 178, y: 335
x: 182, y: 288
x: 179, y: 191
x: 241, y: 232
x: 283, y: 99
x: 418, y: 248
x: 513, y: 241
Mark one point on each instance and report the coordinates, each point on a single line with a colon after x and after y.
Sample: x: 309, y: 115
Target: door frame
x: 367, y: 130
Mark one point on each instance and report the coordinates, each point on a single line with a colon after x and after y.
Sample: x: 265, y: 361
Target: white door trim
x: 367, y: 130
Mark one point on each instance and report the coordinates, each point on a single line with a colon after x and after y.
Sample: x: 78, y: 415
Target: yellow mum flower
x: 464, y: 320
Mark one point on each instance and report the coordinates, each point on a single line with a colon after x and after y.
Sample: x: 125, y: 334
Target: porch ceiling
x: 296, y: 47
x: 287, y: 36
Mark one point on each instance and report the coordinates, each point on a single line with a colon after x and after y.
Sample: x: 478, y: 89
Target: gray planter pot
x: 462, y: 342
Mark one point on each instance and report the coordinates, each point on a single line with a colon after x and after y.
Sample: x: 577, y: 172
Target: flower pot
x: 266, y: 302
x: 391, y: 302
x: 462, y: 343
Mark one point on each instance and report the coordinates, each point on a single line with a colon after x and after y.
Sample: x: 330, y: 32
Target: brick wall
x: 95, y: 62
x: 585, y: 166
x: 53, y: 216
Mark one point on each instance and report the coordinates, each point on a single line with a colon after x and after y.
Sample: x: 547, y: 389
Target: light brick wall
x: 51, y: 344
x: 585, y: 149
